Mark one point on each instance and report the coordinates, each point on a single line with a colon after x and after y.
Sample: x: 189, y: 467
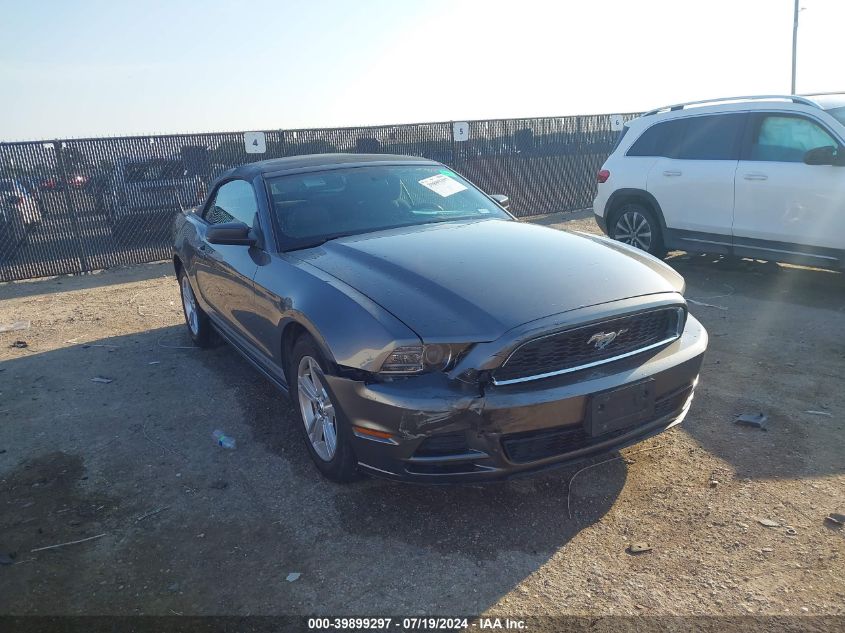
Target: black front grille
x: 570, y: 349
x: 541, y: 444
x: 672, y: 403
x: 443, y: 445
x: 521, y: 448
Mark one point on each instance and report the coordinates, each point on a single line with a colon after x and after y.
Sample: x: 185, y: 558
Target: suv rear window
x: 619, y: 137
x: 715, y: 137
x: 661, y: 139
x: 712, y: 137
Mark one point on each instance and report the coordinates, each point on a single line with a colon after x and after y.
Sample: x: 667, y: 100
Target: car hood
x: 473, y: 281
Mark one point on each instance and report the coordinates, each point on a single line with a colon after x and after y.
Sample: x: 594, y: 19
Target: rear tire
x: 635, y: 224
x: 325, y: 430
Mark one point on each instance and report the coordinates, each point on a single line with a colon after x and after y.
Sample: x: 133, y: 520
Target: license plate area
x: 620, y: 408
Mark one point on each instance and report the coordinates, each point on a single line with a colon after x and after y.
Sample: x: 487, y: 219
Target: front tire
x: 199, y: 327
x: 326, y: 433
x: 637, y: 225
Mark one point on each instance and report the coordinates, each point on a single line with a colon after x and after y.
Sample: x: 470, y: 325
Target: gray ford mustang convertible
x: 423, y: 333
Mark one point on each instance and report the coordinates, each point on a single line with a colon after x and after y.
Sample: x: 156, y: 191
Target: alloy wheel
x: 189, y: 303
x: 633, y: 228
x: 317, y: 409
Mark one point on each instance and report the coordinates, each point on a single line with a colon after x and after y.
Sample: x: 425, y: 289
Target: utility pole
x: 794, y: 44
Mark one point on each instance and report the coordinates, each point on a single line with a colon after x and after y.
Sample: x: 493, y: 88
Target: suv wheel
x: 326, y: 432
x: 637, y: 225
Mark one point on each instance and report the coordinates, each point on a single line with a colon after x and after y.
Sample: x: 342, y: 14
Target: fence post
x: 58, y: 147
x: 455, y: 164
x: 580, y: 133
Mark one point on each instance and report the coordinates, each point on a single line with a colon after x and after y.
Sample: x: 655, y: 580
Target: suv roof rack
x: 680, y: 106
x: 824, y: 94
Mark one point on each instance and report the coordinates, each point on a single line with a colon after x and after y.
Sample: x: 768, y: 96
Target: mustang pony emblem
x: 603, y: 339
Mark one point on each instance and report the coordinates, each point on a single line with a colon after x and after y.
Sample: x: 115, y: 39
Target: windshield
x: 838, y: 114
x: 832, y: 103
x: 313, y: 207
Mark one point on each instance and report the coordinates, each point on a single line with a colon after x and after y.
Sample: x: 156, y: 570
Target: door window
x: 786, y: 139
x: 713, y: 137
x: 233, y: 202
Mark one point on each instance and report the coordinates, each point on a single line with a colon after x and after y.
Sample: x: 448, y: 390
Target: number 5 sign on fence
x: 460, y: 130
x: 255, y: 142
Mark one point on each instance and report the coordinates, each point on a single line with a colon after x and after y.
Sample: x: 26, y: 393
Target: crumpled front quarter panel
x: 350, y: 328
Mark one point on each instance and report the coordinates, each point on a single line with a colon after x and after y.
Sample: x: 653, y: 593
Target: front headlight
x: 404, y: 360
x: 416, y: 359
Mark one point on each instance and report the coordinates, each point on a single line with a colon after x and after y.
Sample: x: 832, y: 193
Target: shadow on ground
x: 183, y: 525
x: 777, y: 346
x: 188, y: 527
x: 769, y: 281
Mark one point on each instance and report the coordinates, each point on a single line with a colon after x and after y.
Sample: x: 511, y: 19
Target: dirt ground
x: 186, y: 527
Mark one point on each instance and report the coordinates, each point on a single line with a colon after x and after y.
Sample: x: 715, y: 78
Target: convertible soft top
x: 277, y: 166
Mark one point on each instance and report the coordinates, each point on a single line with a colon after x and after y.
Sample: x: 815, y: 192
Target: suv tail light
x: 602, y: 176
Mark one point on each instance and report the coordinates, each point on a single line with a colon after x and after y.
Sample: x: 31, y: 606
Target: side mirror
x: 827, y: 155
x: 503, y: 201
x: 231, y: 233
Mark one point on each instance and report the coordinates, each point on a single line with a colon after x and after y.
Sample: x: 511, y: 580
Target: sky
x: 71, y: 69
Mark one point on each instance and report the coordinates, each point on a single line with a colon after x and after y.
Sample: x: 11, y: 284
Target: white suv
x: 760, y: 177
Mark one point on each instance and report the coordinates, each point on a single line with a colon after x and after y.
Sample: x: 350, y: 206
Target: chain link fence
x: 69, y: 206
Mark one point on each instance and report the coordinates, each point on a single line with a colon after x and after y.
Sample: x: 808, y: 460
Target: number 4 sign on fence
x: 255, y: 142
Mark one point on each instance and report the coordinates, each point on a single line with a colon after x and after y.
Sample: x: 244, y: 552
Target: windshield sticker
x: 446, y: 172
x: 314, y: 182
x: 484, y: 210
x: 442, y: 185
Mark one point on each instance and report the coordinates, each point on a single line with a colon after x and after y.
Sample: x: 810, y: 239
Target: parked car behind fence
x: 12, y: 227
x: 139, y: 195
x: 18, y: 194
x: 87, y: 186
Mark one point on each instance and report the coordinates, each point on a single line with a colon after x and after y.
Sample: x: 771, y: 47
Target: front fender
x: 351, y: 329
x: 184, y: 243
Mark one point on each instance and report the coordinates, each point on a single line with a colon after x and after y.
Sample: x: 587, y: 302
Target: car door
x: 224, y: 273
x: 784, y: 206
x: 693, y: 178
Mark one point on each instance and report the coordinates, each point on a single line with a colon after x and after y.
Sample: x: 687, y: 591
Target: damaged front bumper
x: 430, y: 429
